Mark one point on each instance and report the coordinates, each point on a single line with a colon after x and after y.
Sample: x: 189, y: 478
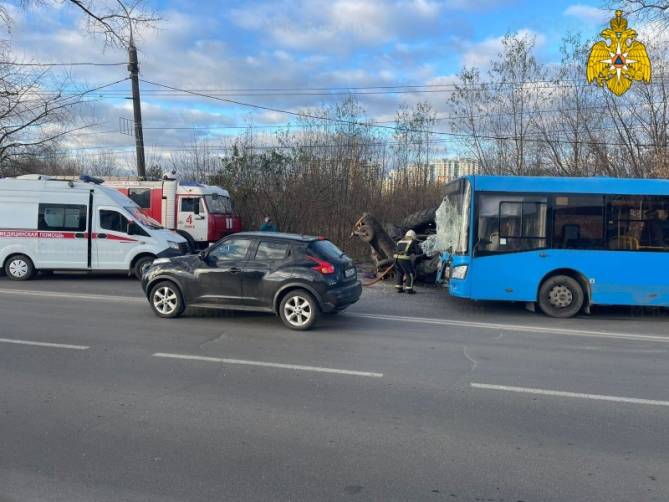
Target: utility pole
x: 133, y: 68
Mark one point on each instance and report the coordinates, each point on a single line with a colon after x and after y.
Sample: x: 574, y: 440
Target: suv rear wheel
x: 299, y: 310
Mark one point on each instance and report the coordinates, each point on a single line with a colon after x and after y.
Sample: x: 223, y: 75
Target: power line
x: 391, y: 128
x: 8, y: 63
x: 547, y: 84
x: 373, y: 144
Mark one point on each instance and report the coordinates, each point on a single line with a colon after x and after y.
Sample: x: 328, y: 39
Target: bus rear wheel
x: 561, y: 296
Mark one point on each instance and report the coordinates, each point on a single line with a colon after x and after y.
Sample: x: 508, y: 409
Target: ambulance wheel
x: 192, y: 245
x: 141, y: 265
x: 19, y: 268
x: 166, y: 300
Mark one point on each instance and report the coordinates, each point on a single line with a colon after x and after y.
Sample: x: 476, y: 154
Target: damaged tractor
x: 382, y: 239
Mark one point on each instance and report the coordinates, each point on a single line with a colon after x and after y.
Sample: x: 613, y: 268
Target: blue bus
x: 563, y: 244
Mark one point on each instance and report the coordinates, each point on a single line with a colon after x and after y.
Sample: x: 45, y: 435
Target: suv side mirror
x: 209, y: 259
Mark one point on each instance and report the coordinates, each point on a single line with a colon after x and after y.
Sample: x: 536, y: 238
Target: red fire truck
x: 200, y: 213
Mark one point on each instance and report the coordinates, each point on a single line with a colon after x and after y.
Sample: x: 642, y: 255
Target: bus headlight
x: 459, y: 272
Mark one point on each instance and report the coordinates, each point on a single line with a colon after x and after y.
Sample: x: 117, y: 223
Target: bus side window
x: 509, y: 223
x: 638, y: 223
x: 578, y: 222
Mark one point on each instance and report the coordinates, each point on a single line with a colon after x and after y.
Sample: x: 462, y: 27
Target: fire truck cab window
x: 192, y: 205
x: 140, y: 196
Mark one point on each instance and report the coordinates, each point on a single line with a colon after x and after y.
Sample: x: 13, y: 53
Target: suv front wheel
x: 299, y: 310
x: 166, y: 300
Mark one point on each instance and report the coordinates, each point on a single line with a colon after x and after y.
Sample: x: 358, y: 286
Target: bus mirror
x: 133, y: 228
x: 196, y: 206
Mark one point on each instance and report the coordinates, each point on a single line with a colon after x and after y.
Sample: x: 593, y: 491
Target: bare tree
x: 31, y: 117
x: 114, y: 20
x: 656, y: 11
x: 469, y: 104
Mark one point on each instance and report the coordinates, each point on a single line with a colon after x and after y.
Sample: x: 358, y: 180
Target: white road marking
x: 45, y: 344
x: 78, y: 296
x: 545, y: 392
x: 269, y: 365
x: 523, y: 328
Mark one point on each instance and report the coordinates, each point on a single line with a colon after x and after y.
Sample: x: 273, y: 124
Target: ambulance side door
x: 112, y: 246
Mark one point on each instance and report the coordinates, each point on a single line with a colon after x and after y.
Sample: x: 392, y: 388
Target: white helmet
x: 410, y: 234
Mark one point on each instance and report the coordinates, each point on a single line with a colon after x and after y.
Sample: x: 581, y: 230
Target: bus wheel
x: 561, y: 296
x: 19, y: 268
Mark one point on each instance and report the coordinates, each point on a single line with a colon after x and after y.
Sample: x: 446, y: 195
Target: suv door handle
x: 235, y: 270
x: 79, y: 235
x: 102, y: 236
x: 543, y: 255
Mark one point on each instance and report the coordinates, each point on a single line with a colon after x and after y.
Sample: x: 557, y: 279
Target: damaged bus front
x: 453, y: 219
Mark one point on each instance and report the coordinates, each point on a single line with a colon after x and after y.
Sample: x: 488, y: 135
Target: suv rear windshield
x: 325, y: 249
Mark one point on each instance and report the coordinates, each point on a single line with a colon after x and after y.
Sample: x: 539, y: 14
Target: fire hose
x: 380, y: 277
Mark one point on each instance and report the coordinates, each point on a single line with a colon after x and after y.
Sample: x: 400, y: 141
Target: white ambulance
x: 48, y: 224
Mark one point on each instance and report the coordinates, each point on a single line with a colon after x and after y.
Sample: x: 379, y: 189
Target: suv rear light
x: 322, y: 266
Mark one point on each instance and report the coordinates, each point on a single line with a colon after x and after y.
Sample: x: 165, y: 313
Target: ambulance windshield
x: 142, y: 218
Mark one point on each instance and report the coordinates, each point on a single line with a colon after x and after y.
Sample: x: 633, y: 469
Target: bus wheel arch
x: 564, y: 292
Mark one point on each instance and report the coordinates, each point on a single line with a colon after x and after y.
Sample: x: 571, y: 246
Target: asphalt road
x: 400, y: 398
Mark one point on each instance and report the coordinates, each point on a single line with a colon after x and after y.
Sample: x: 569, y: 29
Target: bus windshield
x: 142, y: 218
x: 218, y: 203
x: 452, y: 218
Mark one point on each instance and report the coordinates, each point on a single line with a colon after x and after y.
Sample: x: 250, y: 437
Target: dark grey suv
x: 295, y: 276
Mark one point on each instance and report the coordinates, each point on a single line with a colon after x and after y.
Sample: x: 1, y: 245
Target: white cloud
x: 190, y: 50
x: 331, y: 26
x: 481, y: 54
x: 588, y: 13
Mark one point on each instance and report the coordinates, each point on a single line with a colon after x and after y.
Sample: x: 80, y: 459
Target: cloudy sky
x: 246, y: 49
